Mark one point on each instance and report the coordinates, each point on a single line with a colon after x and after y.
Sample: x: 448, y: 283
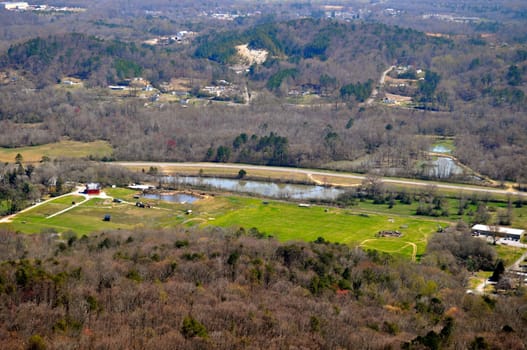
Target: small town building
x: 141, y: 187
x: 8, y: 5
x: 92, y: 189
x: 505, y: 232
x: 118, y: 87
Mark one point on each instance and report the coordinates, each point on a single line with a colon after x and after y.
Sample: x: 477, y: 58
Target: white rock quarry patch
x: 252, y: 56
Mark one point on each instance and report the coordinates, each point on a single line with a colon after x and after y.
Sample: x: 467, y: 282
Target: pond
x: 439, y: 148
x: 443, y: 167
x: 267, y: 189
x: 173, y: 198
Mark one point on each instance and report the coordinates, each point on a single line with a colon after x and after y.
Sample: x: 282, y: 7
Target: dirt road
x: 77, y: 192
x: 10, y: 217
x: 480, y: 288
x: 375, y: 91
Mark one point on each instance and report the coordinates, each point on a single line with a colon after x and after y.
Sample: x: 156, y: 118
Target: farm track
x: 411, y: 244
x: 9, y: 218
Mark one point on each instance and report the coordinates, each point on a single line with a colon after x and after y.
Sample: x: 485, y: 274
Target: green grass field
x: 288, y: 221
x: 68, y: 149
x: 88, y: 217
x: 356, y: 226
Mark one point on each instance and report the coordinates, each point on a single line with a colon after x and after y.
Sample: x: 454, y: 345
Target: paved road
x: 328, y: 174
x: 520, y: 261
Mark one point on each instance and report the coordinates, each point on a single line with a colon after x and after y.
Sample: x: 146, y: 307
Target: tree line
x: 269, y: 150
x: 23, y: 184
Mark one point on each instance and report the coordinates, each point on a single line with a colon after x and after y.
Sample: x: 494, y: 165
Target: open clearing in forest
x: 356, y: 226
x: 289, y: 222
x: 282, y: 220
x: 88, y: 217
x: 63, y: 149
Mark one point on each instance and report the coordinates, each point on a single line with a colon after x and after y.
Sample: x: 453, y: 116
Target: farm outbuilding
x: 93, y: 188
x: 509, y: 233
x: 8, y: 5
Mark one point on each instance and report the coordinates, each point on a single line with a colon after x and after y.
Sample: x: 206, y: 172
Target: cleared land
x: 356, y: 226
x: 289, y: 222
x: 63, y: 149
x: 88, y: 217
x: 284, y: 221
x: 250, y: 56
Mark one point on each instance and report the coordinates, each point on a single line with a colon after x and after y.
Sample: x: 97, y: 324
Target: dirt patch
x: 180, y: 83
x: 398, y: 98
x: 394, y: 81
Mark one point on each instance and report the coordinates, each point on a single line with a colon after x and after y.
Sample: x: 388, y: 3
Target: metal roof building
x: 512, y: 233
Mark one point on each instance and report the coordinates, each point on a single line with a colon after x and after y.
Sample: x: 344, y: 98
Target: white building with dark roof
x: 15, y: 5
x: 486, y: 230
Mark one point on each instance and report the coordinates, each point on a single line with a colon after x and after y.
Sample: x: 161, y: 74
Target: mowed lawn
x: 289, y: 222
x: 68, y: 149
x: 88, y: 217
x: 36, y: 220
x: 284, y: 221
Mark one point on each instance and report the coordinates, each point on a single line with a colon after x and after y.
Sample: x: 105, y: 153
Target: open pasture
x: 284, y: 221
x: 63, y: 149
x: 290, y: 222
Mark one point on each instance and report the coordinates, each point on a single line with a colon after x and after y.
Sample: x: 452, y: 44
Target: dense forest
x: 237, y: 289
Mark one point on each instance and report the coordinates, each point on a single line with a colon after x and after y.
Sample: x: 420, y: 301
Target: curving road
x: 375, y: 90
x: 311, y: 172
x: 514, y: 267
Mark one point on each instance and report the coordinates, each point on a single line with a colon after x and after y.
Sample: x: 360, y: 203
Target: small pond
x: 173, y: 198
x: 441, y: 149
x: 268, y: 189
x: 443, y: 167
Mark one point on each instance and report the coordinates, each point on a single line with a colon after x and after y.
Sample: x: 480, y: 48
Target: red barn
x: 93, y: 188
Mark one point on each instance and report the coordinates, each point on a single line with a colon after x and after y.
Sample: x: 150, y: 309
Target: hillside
x: 98, y: 62
x: 331, y: 55
x: 360, y: 142
x: 224, y: 290
x: 310, y: 103
x: 353, y: 52
x: 320, y: 56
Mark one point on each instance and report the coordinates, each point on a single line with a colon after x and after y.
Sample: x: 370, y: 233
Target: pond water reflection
x: 443, y: 167
x: 173, y: 198
x: 268, y: 189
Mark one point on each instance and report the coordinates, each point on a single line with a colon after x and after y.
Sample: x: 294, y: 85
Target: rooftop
x: 504, y: 230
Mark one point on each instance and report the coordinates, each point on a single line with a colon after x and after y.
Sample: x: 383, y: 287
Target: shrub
x: 36, y: 342
x: 193, y: 328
